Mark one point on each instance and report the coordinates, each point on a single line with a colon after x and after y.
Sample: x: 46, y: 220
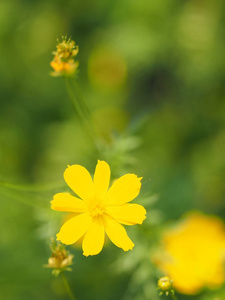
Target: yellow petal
x: 67, y: 202
x: 79, y: 180
x: 101, y: 179
x: 94, y: 238
x: 74, y: 229
x: 123, y: 190
x: 117, y: 233
x: 128, y: 214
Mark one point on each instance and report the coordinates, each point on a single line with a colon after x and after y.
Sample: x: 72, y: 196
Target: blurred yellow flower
x: 194, y: 253
x: 63, y: 62
x: 100, y: 209
x: 107, y: 69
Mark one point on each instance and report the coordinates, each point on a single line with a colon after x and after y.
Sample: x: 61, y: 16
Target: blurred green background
x: 153, y: 73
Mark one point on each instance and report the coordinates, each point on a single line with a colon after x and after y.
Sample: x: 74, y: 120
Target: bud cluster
x: 60, y: 259
x: 63, y: 62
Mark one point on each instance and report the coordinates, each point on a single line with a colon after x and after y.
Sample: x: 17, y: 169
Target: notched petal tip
x: 144, y: 211
x: 136, y: 176
x: 60, y: 238
x: 102, y: 161
x: 129, y: 248
x: 53, y: 200
x: 52, y: 205
x: 144, y: 215
x: 89, y: 254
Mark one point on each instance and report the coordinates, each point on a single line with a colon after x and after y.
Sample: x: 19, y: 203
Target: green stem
x: 83, y: 115
x: 26, y: 193
x: 84, y: 105
x: 30, y: 200
x: 173, y: 296
x: 67, y: 287
x: 31, y: 187
x: 81, y: 99
x: 75, y: 102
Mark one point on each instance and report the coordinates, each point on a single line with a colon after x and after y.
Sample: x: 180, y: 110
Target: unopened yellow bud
x: 165, y: 283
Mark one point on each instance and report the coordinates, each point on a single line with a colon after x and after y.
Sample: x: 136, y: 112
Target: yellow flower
x: 100, y: 209
x: 194, y: 253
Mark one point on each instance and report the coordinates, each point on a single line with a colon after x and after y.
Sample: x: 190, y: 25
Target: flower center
x: 96, y: 210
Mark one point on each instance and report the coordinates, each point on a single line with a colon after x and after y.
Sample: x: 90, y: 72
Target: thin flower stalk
x: 81, y: 99
x: 67, y: 287
x: 173, y: 297
x: 83, y: 114
x: 27, y: 199
x: 31, y: 187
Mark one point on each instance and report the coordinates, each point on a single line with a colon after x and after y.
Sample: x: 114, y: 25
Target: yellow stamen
x: 97, y: 210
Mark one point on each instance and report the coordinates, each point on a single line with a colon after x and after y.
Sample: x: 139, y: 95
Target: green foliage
x: 163, y: 120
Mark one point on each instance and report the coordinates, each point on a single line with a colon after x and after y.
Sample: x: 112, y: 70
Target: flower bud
x: 165, y: 285
x: 63, y: 62
x: 60, y: 259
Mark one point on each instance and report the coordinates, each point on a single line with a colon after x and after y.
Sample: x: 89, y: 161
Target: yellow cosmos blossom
x: 194, y: 253
x: 101, y: 209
